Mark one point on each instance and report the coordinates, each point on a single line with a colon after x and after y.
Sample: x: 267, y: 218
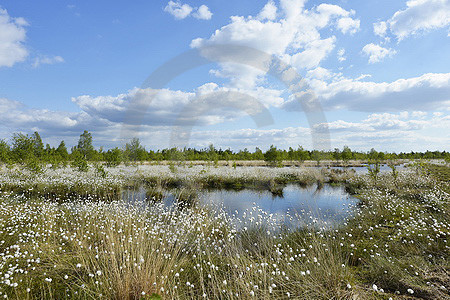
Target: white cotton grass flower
x: 101, y: 230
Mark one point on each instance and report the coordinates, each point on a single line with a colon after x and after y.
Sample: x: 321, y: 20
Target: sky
x: 236, y: 74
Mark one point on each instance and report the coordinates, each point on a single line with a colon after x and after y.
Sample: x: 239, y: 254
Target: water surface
x: 296, y: 207
x: 384, y: 168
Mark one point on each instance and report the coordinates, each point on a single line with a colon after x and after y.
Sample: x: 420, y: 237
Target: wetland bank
x: 145, y: 232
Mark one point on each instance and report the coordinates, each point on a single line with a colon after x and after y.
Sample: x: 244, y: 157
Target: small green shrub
x: 80, y: 164
x: 33, y: 165
x: 172, y: 168
x: 373, y: 168
x: 100, y: 170
x: 394, y: 170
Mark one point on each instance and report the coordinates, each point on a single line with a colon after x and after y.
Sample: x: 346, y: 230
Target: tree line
x: 30, y: 149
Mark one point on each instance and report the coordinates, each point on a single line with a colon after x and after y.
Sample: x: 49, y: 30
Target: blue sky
x: 379, y: 69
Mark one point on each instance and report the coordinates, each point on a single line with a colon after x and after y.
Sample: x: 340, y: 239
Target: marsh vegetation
x: 136, y: 224
x: 66, y: 233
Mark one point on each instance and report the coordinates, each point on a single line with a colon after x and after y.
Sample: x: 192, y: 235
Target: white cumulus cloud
x: 178, y: 10
x: 181, y: 11
x: 203, y: 13
x: 426, y: 92
x: 419, y: 16
x: 380, y: 28
x: 289, y: 31
x: 269, y: 11
x: 376, y: 53
x: 348, y: 25
x: 12, y: 37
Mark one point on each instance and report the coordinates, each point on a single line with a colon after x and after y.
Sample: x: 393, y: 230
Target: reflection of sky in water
x: 363, y: 170
x: 298, y: 206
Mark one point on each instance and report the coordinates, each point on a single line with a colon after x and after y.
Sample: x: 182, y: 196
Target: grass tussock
x: 395, y: 246
x: 108, y: 184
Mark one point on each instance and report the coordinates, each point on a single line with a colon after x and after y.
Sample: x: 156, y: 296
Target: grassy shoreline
x: 396, y: 246
x: 284, y: 163
x: 69, y: 184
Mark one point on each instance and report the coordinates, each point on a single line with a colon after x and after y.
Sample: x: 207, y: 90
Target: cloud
x: 12, y: 37
x: 142, y: 109
x: 426, y: 93
x: 362, y: 76
x: 181, y: 11
x: 47, y: 60
x: 348, y: 25
x: 203, y: 13
x: 314, y: 53
x: 419, y: 16
x: 403, y: 131
x: 340, y: 54
x: 377, y: 53
x: 404, y: 121
x: 19, y: 117
x: 301, y: 37
x: 251, y: 138
x: 178, y: 10
x: 212, y: 104
x: 104, y: 116
x: 319, y: 73
x: 8, y: 105
x: 289, y: 32
x: 208, y: 105
x: 380, y: 28
x: 268, y: 12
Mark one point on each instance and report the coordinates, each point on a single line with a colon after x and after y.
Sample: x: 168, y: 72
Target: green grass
x: 397, y: 240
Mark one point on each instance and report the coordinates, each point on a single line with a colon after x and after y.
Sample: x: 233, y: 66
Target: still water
x: 384, y: 168
x: 296, y: 207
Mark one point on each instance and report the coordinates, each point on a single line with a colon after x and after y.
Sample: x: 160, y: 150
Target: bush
x: 273, y: 156
x: 80, y: 164
x: 100, y: 170
x: 34, y: 165
x: 373, y: 167
x: 113, y: 157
